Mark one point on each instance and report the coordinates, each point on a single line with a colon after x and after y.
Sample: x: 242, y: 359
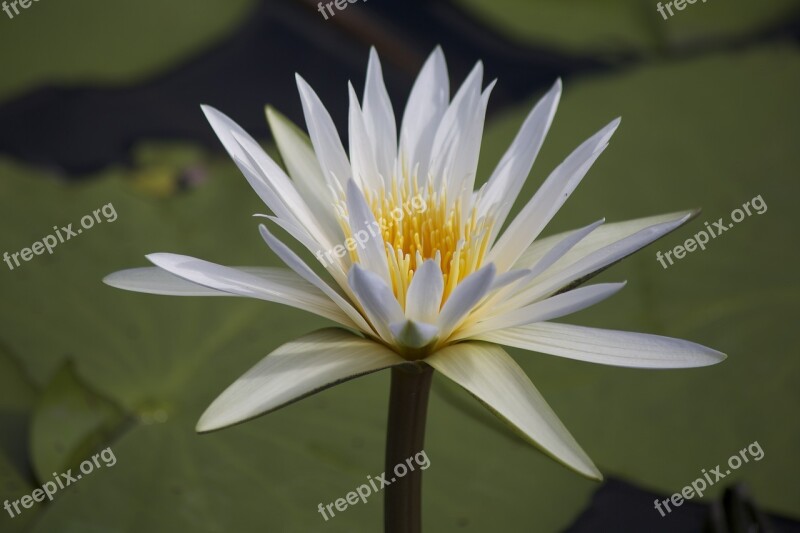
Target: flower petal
x: 372, y: 252
x: 327, y: 144
x: 362, y: 157
x: 601, y: 237
x: 154, y: 280
x: 560, y: 278
x: 295, y: 370
x: 466, y: 294
x: 424, y: 296
x: 414, y: 334
x: 280, y: 286
x: 529, y: 223
x: 294, y: 262
x: 377, y: 300
x: 605, y: 346
x: 506, y: 181
x: 379, y: 118
x: 302, y: 165
x: 426, y: 105
x: 489, y: 373
x: 554, y: 307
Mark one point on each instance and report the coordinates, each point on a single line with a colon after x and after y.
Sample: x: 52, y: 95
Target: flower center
x: 418, y: 224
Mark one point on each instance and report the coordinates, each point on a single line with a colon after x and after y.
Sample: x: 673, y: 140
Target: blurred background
x: 99, y: 104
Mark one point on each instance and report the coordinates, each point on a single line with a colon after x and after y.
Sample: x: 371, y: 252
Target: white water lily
x: 440, y: 286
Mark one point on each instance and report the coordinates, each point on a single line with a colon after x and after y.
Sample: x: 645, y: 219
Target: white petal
x: 526, y: 276
x: 327, y: 144
x: 553, y: 307
x: 154, y: 280
x: 379, y: 118
x: 507, y: 278
x: 602, y: 236
x: 549, y: 199
x: 424, y: 295
x: 556, y: 279
x: 506, y: 181
x: 295, y: 370
x: 277, y: 190
x: 303, y: 167
x: 286, y: 288
x: 454, y: 152
x: 414, y: 334
x: 607, y: 347
x: 294, y: 262
x: 377, y: 300
x: 464, y: 297
x: 362, y: 157
x: 424, y: 110
x: 562, y: 247
x: 487, y: 372
x: 371, y: 249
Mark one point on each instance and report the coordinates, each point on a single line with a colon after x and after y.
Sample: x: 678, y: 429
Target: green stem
x: 405, y: 437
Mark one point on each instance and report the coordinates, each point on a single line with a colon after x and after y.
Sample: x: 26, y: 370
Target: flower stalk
x: 405, y: 437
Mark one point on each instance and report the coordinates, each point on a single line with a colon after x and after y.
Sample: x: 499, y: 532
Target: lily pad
x: 107, y: 42
x: 629, y: 27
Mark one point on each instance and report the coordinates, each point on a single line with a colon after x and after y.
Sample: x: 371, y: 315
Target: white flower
x: 440, y: 284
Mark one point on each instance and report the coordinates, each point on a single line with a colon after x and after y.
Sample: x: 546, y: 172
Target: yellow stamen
x: 418, y: 224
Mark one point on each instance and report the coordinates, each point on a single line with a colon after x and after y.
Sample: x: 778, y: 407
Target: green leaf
x: 70, y: 423
x: 17, y: 396
x: 628, y: 27
x: 99, y: 42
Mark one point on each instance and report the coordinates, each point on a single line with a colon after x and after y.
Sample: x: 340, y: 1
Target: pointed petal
x: 466, y: 294
x: 424, y: 110
x: 605, y: 346
x: 377, y: 300
x: 295, y: 370
x: 601, y: 237
x: 294, y: 262
x: 154, y: 280
x: 549, y: 199
x: 267, y: 179
x: 327, y: 144
x: 274, y: 186
x: 362, y: 157
x: 456, y: 126
x: 424, y: 296
x: 506, y: 181
x: 302, y: 165
x: 379, y: 118
x: 487, y: 372
x: 284, y: 288
x: 372, y: 253
x: 414, y: 334
x: 564, y: 277
x: 554, y: 307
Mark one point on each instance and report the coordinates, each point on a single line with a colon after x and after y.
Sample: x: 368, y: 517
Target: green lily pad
x: 70, y: 423
x: 107, y: 42
x: 17, y: 396
x: 628, y: 27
